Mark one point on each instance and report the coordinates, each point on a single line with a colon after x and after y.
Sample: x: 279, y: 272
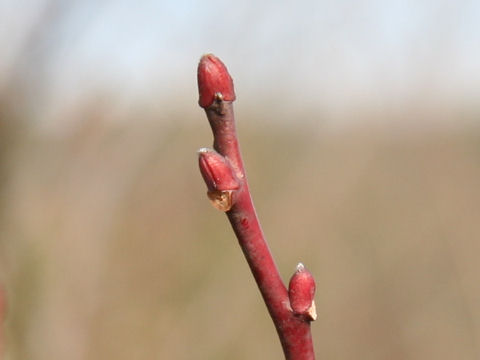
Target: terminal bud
x: 214, y: 81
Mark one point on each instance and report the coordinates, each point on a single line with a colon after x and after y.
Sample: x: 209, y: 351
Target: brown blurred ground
x: 110, y: 250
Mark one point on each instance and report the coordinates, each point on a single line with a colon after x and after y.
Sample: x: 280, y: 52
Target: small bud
x: 219, y: 177
x: 214, y: 81
x: 301, y: 290
x: 216, y: 171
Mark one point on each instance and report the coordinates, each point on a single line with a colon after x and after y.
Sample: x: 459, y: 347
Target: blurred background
x: 359, y: 123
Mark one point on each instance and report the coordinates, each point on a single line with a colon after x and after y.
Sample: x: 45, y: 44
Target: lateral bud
x: 301, y: 291
x: 214, y: 81
x: 219, y: 178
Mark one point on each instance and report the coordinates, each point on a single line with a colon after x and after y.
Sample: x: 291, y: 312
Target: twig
x: 292, y: 310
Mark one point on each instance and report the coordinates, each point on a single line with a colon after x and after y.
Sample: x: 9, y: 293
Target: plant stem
x: 292, y: 327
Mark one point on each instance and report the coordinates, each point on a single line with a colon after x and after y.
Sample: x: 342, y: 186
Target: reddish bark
x: 224, y: 174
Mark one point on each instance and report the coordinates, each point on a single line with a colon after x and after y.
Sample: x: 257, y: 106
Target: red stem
x: 293, y: 327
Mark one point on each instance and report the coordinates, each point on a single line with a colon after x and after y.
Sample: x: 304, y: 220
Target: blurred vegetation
x: 109, y: 248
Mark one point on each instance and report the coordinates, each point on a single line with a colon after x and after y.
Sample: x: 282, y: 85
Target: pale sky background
x: 328, y: 55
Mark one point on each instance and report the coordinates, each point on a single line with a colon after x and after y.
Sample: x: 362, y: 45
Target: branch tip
x: 214, y: 82
x: 223, y: 171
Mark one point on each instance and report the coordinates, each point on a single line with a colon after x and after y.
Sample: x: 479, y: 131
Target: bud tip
x: 214, y: 81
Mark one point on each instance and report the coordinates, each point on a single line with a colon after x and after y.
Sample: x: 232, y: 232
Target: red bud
x: 216, y: 171
x: 213, y: 78
x: 301, y: 290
